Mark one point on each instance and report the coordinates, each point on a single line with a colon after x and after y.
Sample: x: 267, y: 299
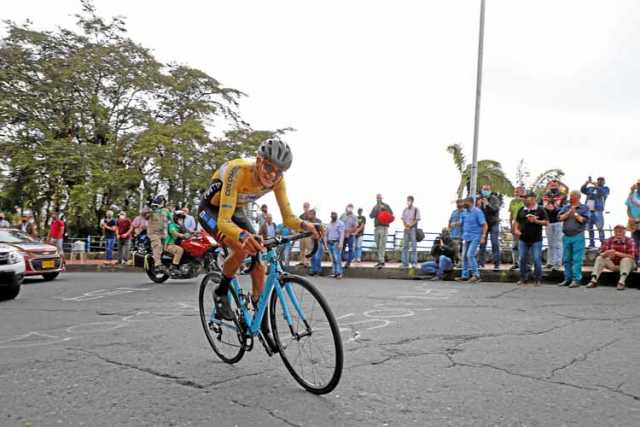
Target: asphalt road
x: 111, y: 349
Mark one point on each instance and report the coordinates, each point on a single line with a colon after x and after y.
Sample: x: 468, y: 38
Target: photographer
x: 597, y: 194
x: 444, y: 255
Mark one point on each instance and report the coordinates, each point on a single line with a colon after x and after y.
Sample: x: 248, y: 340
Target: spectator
x: 284, y: 250
x: 514, y: 207
x: 262, y: 215
x: 305, y: 244
x: 110, y: 229
x: 189, y: 220
x: 157, y: 228
x: 410, y: 219
x: 444, y: 254
x: 455, y: 226
x: 362, y: 222
x: 350, y: 222
x: 490, y: 203
x: 3, y: 222
x: 125, y: 229
x: 140, y: 222
x: 553, y: 200
x: 574, y: 217
x: 528, y: 229
x: 596, y: 198
x: 31, y: 228
x: 56, y: 232
x: 381, y: 227
x: 335, y: 240
x: 268, y: 228
x: 316, y: 259
x: 176, y: 232
x: 474, y: 232
x: 633, y: 214
x: 618, y: 253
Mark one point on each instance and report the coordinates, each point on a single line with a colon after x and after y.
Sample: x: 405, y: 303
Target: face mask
x: 334, y: 218
x: 486, y: 193
x: 349, y: 210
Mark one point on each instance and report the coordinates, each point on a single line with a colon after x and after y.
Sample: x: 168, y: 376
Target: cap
x: 620, y: 226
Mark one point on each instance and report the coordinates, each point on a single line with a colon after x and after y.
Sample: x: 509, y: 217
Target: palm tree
x: 541, y: 181
x: 489, y: 172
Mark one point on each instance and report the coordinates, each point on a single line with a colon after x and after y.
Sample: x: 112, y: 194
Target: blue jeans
x: 536, y: 251
x: 444, y: 265
x: 494, y: 234
x: 109, y: 243
x: 336, y: 260
x: 470, y: 262
x: 597, y: 219
x: 409, y: 243
x: 573, y: 253
x: 349, y: 243
x: 316, y: 260
x: 357, y: 251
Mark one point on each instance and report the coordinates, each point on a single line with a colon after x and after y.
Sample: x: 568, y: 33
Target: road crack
x: 270, y: 412
x: 583, y: 357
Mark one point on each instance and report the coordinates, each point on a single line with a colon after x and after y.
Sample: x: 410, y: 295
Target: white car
x: 12, y: 268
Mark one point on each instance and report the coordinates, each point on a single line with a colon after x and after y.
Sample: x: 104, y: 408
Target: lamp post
x: 476, y: 124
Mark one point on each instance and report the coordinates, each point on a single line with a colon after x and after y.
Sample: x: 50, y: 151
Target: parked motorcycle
x: 201, y: 255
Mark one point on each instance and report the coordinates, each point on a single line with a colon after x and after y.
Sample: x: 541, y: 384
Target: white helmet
x: 277, y: 152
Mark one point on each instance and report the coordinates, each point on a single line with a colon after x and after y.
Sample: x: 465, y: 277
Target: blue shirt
x: 472, y: 222
x: 633, y: 202
x: 598, y: 195
x: 335, y: 231
x: 456, y: 217
x: 190, y: 223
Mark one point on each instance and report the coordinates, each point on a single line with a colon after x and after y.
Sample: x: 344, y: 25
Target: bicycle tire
x: 332, y: 327
x: 215, y: 341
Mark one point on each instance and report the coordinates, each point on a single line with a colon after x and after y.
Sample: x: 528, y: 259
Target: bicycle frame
x: 274, y: 273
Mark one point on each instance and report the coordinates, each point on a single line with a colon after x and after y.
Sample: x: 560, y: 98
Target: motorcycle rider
x: 175, y: 233
x: 157, y: 229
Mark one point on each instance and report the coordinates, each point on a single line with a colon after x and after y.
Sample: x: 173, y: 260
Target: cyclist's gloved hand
x: 252, y: 244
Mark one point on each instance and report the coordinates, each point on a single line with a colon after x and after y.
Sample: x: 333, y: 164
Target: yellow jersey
x: 235, y: 185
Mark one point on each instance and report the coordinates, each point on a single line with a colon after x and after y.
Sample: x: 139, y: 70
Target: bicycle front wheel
x: 310, y: 343
x: 226, y: 338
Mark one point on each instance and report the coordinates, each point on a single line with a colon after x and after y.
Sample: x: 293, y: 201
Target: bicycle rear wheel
x: 227, y: 338
x: 310, y: 347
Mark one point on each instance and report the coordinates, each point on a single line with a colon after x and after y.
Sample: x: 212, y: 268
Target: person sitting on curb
x: 574, y: 217
x: 444, y: 255
x: 618, y: 253
x: 528, y: 230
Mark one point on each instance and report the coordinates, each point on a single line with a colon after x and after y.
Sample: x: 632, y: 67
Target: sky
x: 376, y: 90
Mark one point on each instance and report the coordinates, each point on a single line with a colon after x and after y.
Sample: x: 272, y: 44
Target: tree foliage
x: 86, y: 114
x: 489, y: 172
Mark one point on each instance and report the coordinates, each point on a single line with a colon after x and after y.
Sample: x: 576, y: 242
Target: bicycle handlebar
x: 283, y: 240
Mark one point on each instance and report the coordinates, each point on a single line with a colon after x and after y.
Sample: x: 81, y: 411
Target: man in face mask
x: 125, y: 229
x: 381, y: 228
x: 350, y: 225
x: 514, y: 207
x: 633, y: 215
x: 334, y: 238
x: 574, y: 217
x: 618, y: 253
x: 490, y: 203
x: 474, y: 232
x: 410, y: 219
x: 362, y: 222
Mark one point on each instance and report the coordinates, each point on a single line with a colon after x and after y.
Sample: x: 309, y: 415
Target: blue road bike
x: 305, y: 332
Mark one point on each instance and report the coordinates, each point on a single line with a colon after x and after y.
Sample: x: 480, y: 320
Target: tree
x: 489, y: 172
x: 86, y: 114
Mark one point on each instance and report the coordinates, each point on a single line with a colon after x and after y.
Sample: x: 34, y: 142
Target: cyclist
x: 221, y: 213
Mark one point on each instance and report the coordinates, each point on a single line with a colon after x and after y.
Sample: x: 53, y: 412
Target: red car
x: 41, y: 259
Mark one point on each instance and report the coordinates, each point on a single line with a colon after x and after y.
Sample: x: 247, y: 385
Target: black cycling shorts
x: 208, y: 219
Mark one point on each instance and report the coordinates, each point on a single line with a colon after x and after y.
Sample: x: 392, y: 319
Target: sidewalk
x: 367, y: 270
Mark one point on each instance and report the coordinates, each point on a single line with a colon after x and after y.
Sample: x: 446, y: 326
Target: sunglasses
x: 271, y: 169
